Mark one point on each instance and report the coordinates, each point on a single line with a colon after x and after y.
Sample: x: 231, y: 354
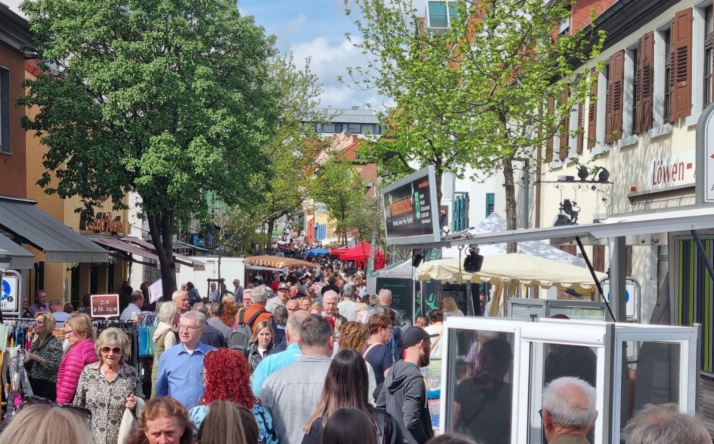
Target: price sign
x: 105, y: 305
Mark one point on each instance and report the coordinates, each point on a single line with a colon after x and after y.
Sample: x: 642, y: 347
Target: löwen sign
x: 103, y: 223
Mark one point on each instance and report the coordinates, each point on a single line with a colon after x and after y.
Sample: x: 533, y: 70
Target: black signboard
x: 411, y: 214
x: 402, y: 295
x: 429, y: 299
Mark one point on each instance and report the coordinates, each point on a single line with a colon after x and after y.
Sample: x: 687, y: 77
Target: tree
x: 338, y: 185
x: 165, y: 98
x: 477, y: 93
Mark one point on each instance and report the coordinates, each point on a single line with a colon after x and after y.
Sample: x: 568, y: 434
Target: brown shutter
x: 549, y: 140
x: 681, y: 65
x: 599, y: 258
x: 615, y: 79
x: 645, y: 53
x: 581, y: 129
x: 592, y: 112
x: 564, y: 127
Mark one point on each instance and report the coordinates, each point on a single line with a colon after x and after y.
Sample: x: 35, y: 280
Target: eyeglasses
x: 188, y: 327
x: 37, y: 400
x: 115, y: 350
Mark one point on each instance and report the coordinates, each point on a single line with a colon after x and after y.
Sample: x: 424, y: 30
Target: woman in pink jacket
x: 80, y: 335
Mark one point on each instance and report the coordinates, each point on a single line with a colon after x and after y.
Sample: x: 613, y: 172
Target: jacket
x: 164, y: 338
x: 71, y: 368
x: 254, y: 308
x: 404, y: 397
x: 251, y: 353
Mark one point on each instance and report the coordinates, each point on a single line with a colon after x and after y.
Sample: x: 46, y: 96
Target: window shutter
x: 549, y: 140
x: 592, y: 112
x: 564, y: 127
x: 615, y: 79
x: 681, y: 63
x: 581, y: 129
x: 645, y: 52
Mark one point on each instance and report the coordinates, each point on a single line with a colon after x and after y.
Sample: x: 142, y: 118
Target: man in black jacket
x: 404, y: 392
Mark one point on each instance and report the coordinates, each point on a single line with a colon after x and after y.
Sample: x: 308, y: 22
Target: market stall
x: 278, y: 262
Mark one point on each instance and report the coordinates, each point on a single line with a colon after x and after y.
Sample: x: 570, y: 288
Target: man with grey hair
x: 329, y: 302
x: 292, y: 393
x: 665, y: 424
x: 568, y: 411
x: 181, y: 301
x: 275, y: 361
x: 211, y: 335
x: 181, y: 366
x: 257, y: 311
x: 348, y: 307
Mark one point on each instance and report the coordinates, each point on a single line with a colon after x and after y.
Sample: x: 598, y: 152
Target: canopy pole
x: 592, y: 272
x: 703, y: 254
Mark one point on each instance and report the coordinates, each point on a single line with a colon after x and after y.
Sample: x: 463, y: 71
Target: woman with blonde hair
x: 44, y: 357
x: 79, y: 333
x: 165, y: 336
x: 305, y: 303
x: 46, y: 424
x: 354, y: 337
x: 316, y: 308
x: 109, y: 386
x: 449, y: 307
x: 261, y: 342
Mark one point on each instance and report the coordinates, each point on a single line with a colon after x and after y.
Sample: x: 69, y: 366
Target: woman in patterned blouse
x: 44, y: 358
x: 109, y: 386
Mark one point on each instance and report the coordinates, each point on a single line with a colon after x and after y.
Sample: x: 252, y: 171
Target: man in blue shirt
x: 272, y: 363
x: 181, y: 367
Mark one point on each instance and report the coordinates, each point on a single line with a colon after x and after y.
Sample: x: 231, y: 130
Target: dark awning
x: 59, y: 242
x: 21, y: 258
x: 117, y: 244
x: 183, y: 260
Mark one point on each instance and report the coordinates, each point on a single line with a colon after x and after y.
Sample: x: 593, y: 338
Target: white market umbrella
x: 528, y: 270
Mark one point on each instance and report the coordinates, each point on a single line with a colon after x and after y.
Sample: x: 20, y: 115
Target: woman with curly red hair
x: 232, y: 386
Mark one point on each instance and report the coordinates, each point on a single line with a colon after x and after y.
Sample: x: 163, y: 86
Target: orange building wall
x: 582, y: 10
x: 12, y: 165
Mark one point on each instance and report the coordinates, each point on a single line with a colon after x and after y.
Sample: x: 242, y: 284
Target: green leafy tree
x: 165, y: 98
x: 475, y: 94
x: 337, y: 184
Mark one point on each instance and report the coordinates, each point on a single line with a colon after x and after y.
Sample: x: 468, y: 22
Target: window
x: 592, y: 112
x: 667, y: 38
x: 4, y: 110
x: 340, y: 128
x: 564, y: 127
x: 708, y: 56
x: 632, y: 95
x: 490, y: 203
x: 355, y: 128
x: 441, y: 13
x: 328, y: 128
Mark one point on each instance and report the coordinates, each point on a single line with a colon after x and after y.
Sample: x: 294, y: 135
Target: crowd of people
x: 293, y: 361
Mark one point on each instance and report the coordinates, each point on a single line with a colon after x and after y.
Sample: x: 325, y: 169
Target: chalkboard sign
x: 402, y: 295
x: 105, y: 305
x: 429, y: 299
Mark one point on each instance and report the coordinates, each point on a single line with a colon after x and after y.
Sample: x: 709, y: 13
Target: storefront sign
x: 671, y: 171
x: 105, y: 305
x: 704, y: 190
x: 103, y: 223
x: 10, y: 292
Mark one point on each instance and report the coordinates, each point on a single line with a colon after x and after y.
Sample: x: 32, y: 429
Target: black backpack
x: 240, y: 338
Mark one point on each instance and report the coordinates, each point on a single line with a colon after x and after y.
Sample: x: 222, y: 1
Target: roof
x: 352, y: 115
x: 14, y: 30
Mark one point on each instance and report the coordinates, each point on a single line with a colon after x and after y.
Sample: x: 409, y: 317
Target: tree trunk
x: 510, y: 191
x: 160, y: 228
x: 271, y: 228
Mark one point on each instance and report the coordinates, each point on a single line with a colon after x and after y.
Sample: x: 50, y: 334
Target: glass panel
x: 651, y: 379
x: 437, y: 15
x: 328, y: 128
x: 480, y: 400
x: 553, y: 361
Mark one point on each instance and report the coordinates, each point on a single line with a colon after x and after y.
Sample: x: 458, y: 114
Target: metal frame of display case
x: 605, y: 338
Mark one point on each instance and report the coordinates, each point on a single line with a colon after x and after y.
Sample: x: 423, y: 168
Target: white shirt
x: 130, y: 312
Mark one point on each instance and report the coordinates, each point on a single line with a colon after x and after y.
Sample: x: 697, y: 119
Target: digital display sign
x: 411, y: 211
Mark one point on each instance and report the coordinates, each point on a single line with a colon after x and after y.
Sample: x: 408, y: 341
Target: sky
x: 315, y: 29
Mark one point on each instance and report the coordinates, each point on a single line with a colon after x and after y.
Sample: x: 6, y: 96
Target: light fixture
x: 474, y: 261
x: 5, y: 260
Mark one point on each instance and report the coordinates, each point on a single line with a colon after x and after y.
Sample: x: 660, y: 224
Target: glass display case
x: 524, y: 355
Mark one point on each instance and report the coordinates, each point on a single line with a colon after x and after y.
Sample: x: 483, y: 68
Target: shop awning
x: 117, y: 244
x: 183, y: 260
x: 59, y: 242
x: 277, y: 262
x: 21, y: 258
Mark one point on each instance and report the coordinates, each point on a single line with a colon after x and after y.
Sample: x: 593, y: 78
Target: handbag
x: 146, y: 335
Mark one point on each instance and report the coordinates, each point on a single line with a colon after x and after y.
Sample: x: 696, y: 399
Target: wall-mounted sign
x: 105, y: 305
x: 10, y: 298
x: 103, y: 223
x: 704, y: 190
x: 670, y: 171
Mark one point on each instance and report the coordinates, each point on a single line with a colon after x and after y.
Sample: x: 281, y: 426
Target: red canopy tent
x: 360, y: 254
x: 339, y: 251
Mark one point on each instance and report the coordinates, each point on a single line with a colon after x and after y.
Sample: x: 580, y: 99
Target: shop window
x: 4, y: 110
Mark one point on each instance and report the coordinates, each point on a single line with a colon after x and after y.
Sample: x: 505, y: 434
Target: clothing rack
x: 128, y: 327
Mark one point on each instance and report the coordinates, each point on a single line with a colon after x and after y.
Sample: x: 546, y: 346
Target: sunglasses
x: 83, y: 413
x: 116, y: 350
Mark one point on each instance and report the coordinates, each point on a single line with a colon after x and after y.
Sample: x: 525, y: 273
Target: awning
x: 117, y: 244
x: 59, y: 242
x: 183, y: 260
x: 277, y: 262
x: 21, y: 258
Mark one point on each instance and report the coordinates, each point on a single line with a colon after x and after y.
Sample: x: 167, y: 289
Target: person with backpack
x: 249, y: 318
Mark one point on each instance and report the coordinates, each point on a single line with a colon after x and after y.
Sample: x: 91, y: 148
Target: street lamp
x: 5, y: 259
